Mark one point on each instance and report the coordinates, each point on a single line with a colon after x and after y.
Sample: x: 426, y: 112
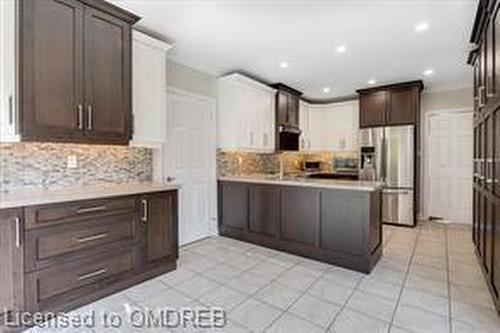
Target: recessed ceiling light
x: 341, y: 48
x: 428, y: 72
x: 422, y: 26
x: 327, y: 90
x: 283, y: 64
x: 372, y: 81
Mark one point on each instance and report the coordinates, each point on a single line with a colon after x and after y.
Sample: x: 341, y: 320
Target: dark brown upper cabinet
x: 75, y: 71
x: 391, y: 105
x: 287, y: 106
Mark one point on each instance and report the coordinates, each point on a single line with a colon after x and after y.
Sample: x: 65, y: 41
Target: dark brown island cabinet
x: 337, y: 226
x: 485, y: 59
x: 57, y: 257
x: 74, y: 71
x: 391, y: 105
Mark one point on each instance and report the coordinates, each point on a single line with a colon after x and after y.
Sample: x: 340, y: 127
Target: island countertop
x: 40, y: 196
x: 353, y: 185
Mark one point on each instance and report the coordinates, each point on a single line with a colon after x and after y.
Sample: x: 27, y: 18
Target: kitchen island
x: 334, y: 221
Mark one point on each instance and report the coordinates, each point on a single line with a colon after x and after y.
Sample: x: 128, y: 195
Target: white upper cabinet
x: 149, y: 90
x: 245, y: 114
x: 333, y: 127
x: 305, y: 135
x: 8, y: 98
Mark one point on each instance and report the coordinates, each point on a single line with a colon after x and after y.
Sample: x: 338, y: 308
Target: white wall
x: 186, y: 78
x: 452, y: 99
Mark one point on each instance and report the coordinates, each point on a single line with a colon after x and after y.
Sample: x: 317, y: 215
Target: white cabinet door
x: 333, y: 127
x: 245, y: 114
x: 8, y: 95
x: 318, y: 128
x: 149, y: 90
x: 304, y: 140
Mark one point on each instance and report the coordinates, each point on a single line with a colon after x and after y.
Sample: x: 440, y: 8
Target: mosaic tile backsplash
x: 246, y: 163
x: 25, y: 165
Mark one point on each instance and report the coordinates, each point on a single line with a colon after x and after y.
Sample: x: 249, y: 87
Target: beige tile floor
x: 427, y: 281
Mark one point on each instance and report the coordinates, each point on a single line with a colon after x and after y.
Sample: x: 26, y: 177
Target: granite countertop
x: 354, y: 185
x: 39, y: 196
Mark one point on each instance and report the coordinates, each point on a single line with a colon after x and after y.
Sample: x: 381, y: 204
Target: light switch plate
x: 71, y: 162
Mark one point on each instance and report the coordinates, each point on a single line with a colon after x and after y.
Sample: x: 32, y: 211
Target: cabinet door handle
x: 92, y: 274
x: 144, y: 217
x: 90, y: 120
x: 91, y: 209
x: 92, y: 238
x: 481, y: 96
x: 11, y: 109
x: 80, y: 117
x: 264, y: 139
x: 18, y: 231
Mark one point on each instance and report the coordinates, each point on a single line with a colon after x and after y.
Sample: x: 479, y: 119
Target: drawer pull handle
x: 91, y: 209
x: 18, y: 232
x: 93, y: 274
x: 92, y: 238
x: 144, y: 217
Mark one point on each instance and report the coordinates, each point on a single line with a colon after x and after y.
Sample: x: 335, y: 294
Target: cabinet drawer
x: 62, y: 283
x: 41, y: 216
x: 46, y: 246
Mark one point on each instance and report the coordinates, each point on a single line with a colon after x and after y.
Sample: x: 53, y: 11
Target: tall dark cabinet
x: 485, y: 59
x: 75, y: 71
x: 287, y: 117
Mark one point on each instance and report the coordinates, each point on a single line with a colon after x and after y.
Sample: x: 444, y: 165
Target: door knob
x: 170, y: 179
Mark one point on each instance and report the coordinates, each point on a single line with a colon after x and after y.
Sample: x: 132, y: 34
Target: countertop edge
x: 35, y: 197
x: 311, y: 184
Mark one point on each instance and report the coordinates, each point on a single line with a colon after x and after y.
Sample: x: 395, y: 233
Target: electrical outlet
x: 71, y: 162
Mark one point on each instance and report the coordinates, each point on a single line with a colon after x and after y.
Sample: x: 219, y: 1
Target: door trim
x: 424, y: 161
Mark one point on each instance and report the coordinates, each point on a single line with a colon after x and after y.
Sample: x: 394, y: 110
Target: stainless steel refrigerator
x: 388, y: 155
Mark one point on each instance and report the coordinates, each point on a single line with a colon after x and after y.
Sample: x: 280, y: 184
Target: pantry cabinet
x: 245, y: 114
x: 485, y: 59
x: 74, y: 71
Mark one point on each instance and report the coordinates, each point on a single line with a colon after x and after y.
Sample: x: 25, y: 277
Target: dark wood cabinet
x: 11, y: 262
x: 75, y: 71
x: 57, y: 257
x: 107, y: 77
x: 287, y: 106
x: 312, y: 222
x: 51, y: 65
x: 234, y: 209
x: 158, y: 217
x: 263, y: 210
x: 485, y: 59
x: 391, y: 105
x: 300, y: 211
x: 373, y: 108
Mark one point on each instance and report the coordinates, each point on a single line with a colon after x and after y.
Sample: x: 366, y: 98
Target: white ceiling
x: 254, y: 36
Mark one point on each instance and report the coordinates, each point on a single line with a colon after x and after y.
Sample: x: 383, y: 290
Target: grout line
x: 410, y: 262
x: 343, y: 305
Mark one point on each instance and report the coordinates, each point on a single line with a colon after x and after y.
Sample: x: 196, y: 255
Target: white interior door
x: 450, y: 154
x: 190, y: 160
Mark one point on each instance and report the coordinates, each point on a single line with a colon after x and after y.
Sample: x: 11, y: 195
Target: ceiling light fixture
x: 327, y: 90
x: 372, y: 81
x: 341, y: 48
x: 421, y: 27
x: 283, y: 64
x: 428, y: 72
